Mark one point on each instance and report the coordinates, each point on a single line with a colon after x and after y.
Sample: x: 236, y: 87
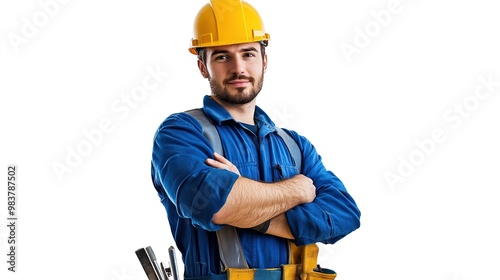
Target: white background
x: 364, y: 111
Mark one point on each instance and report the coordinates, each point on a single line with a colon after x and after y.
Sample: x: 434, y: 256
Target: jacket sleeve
x: 333, y: 214
x: 179, y: 172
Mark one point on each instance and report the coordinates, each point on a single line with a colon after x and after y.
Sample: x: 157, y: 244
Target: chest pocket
x: 284, y: 171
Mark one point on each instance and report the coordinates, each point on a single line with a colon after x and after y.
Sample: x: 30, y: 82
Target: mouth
x: 238, y: 83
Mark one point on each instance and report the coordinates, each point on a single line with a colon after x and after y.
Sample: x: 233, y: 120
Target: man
x: 255, y: 186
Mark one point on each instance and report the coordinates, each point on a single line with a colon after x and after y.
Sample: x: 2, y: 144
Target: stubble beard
x: 220, y: 90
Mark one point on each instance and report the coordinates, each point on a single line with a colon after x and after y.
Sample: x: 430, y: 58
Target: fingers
x: 216, y: 164
x: 222, y: 159
x: 221, y: 162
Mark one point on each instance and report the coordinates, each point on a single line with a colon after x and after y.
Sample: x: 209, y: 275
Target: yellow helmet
x: 227, y: 22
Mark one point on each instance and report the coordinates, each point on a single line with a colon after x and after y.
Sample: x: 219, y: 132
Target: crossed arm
x: 251, y: 203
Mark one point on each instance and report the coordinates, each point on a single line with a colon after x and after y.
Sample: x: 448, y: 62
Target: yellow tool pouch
x: 304, y: 264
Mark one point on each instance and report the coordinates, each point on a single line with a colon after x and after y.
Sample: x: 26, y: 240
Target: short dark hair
x: 202, y: 53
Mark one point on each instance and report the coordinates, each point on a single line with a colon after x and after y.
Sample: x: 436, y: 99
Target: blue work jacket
x: 192, y: 192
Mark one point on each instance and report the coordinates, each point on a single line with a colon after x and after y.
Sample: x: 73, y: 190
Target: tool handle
x: 147, y: 264
x: 173, y: 262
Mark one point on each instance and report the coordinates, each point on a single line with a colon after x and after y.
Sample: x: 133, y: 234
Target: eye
x: 222, y: 57
x: 249, y: 54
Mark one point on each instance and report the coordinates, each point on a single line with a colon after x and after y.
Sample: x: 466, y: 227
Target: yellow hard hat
x: 227, y: 22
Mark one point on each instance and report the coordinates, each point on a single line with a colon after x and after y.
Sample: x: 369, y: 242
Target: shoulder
x: 180, y: 122
x: 178, y: 119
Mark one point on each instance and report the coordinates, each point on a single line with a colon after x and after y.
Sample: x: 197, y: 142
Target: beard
x: 243, y: 96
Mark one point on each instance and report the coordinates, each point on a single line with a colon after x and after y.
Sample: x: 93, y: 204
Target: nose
x: 238, y: 66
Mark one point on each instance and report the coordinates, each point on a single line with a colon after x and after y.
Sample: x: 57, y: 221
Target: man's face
x: 235, y: 72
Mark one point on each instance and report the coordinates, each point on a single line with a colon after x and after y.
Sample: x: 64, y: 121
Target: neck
x: 240, y: 112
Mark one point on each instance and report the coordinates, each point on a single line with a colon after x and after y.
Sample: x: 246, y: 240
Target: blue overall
x: 192, y: 192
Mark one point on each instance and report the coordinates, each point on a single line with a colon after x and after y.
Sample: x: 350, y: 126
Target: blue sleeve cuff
x: 202, y: 204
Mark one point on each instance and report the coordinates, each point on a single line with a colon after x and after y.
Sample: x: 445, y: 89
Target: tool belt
x: 303, y: 262
x: 302, y: 266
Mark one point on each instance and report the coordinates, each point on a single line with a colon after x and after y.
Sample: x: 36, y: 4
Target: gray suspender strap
x: 209, y: 129
x: 230, y: 250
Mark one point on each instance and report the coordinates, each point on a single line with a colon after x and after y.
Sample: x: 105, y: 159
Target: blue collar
x: 218, y: 114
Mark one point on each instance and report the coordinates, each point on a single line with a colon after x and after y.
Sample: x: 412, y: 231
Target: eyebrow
x: 249, y: 49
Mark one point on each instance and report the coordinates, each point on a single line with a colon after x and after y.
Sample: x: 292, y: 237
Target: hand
x: 304, y: 187
x: 222, y: 163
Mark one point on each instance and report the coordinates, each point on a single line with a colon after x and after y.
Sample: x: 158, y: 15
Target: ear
x: 203, y: 69
x: 264, y: 62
